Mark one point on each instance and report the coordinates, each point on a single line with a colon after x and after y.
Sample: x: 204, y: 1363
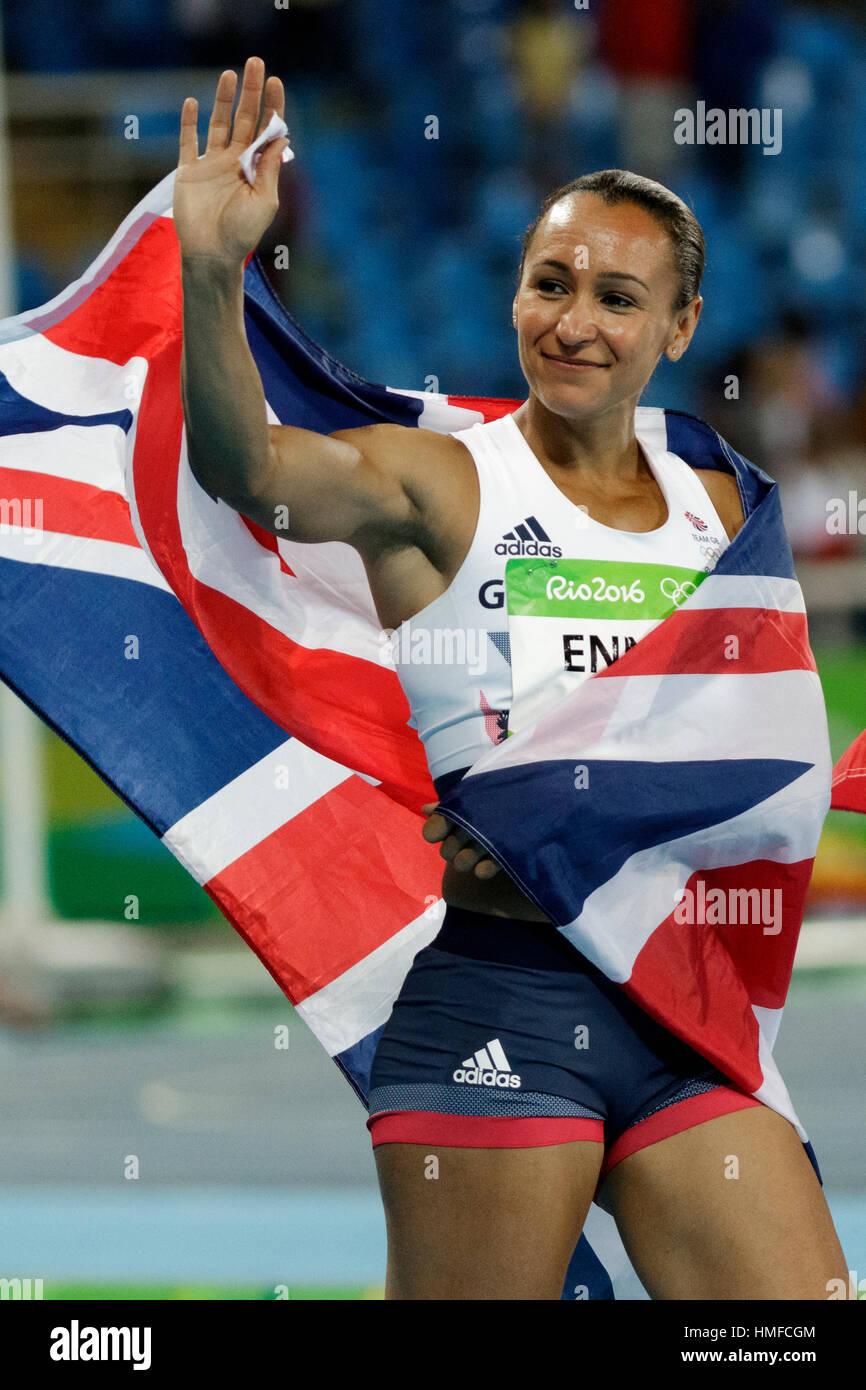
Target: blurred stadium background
x: 426, y: 132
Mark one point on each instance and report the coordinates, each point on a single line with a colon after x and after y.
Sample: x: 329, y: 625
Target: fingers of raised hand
x: 189, y: 132
x: 219, y: 126
x: 274, y: 102
x: 267, y: 174
x: 247, y: 113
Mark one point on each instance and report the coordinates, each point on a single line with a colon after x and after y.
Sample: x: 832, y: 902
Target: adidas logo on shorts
x: 528, y: 538
x: 488, y: 1067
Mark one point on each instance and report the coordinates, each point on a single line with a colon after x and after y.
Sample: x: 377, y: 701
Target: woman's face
x: 594, y: 310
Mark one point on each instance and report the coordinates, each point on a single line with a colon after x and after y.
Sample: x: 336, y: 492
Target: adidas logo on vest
x: 528, y: 538
x: 488, y: 1067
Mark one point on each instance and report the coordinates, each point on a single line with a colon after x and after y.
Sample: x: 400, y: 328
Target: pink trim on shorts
x: 675, y: 1119
x: 480, y: 1131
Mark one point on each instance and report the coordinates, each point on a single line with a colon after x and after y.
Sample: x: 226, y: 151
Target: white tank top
x: 545, y: 596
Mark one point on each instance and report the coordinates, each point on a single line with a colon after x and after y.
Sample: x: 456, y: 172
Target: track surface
x: 255, y: 1168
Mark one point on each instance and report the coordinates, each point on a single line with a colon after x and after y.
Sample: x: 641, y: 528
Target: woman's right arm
x: 353, y: 486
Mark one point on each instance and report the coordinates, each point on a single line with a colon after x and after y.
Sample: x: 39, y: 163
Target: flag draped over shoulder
x: 671, y: 806
x: 261, y: 736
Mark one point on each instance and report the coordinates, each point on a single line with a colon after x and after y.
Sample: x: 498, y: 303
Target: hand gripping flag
x: 261, y: 736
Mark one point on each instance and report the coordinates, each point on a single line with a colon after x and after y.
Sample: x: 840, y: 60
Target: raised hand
x: 217, y: 213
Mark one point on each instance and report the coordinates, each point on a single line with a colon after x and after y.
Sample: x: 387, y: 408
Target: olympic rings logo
x: 677, y: 593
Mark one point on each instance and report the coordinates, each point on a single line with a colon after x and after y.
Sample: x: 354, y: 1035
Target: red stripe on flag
x: 491, y: 409
x: 330, y: 886
x: 136, y: 311
x: 719, y: 641
x: 756, y: 909
x: 700, y: 972
x: 268, y: 540
x: 71, y: 508
x: 351, y: 710
x: 849, y: 777
x: 685, y: 979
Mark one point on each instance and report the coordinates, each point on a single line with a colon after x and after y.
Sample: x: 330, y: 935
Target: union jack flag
x: 705, y: 753
x: 260, y: 736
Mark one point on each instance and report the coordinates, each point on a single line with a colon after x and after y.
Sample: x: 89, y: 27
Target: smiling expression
x: 589, y: 338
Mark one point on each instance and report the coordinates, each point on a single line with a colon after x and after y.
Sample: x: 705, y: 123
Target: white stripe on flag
x: 773, y: 1091
x: 353, y: 1005
x: 222, y: 554
x: 81, y: 553
x: 745, y: 591
x: 70, y: 382
x: 769, y: 1020
x: 250, y: 807
x: 676, y: 718
x: 439, y: 414
x: 334, y: 576
x: 92, y: 454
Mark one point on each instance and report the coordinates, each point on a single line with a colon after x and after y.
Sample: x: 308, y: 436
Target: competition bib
x: 568, y: 619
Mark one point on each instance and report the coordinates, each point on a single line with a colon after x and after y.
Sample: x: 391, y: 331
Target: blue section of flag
x: 586, y: 1271
x: 356, y: 1063
x: 568, y: 841
x: 761, y: 549
x: 304, y: 385
x: 20, y: 415
x: 165, y: 731
x: 812, y: 1157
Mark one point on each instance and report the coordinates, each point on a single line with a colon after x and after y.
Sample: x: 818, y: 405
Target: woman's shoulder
x: 725, y: 497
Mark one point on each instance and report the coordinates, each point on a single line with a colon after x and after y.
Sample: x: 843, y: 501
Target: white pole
x: 25, y: 900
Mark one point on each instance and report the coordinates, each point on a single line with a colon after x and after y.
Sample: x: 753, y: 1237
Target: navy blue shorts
x: 504, y: 1036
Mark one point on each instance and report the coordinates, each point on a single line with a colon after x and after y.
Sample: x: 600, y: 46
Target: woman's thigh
x: 729, y: 1209
x: 483, y: 1223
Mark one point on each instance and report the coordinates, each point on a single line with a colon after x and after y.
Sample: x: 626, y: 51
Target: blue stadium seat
x: 825, y: 43
x: 504, y: 205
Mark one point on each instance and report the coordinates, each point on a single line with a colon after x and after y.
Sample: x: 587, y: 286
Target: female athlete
x: 477, y: 1063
